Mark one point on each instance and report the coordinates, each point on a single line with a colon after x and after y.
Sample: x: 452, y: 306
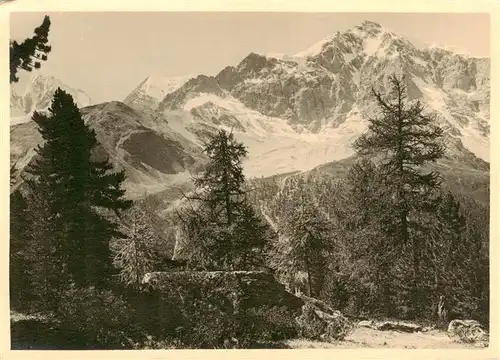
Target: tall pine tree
x: 80, y: 192
x: 19, y: 244
x: 404, y: 139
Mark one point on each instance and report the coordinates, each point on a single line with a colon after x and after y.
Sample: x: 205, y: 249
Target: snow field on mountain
x: 275, y: 146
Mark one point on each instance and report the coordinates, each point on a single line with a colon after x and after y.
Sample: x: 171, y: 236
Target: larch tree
x: 364, y: 217
x: 305, y: 245
x: 404, y: 139
x: 28, y: 54
x: 221, y: 230
x: 133, y: 253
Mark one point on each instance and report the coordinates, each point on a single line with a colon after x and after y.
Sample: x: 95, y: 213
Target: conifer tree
x: 450, y: 248
x: 19, y: 242
x: 221, y: 230
x: 28, y: 54
x: 79, y: 191
x: 404, y: 139
x: 365, y: 217
x: 134, y: 252
x: 46, y: 250
x: 251, y: 238
x: 306, y: 245
x: 456, y: 255
x: 478, y: 236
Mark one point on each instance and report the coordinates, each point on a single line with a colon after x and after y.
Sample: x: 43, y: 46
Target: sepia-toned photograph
x: 249, y: 180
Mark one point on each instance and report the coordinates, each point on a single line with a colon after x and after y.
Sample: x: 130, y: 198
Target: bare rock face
x: 469, y: 331
x: 201, y: 84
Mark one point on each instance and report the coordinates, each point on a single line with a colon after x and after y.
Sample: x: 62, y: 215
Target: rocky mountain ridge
x: 152, y: 157
x: 293, y: 112
x: 324, y: 92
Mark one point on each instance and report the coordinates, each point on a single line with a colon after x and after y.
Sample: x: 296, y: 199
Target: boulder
x: 367, y: 324
x: 398, y: 326
x: 469, y: 331
x: 318, y: 321
x: 390, y: 326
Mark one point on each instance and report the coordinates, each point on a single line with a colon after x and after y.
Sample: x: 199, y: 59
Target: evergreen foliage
x: 404, y: 139
x: 304, y: 247
x: 19, y: 236
x: 219, y: 227
x: 28, y: 54
x: 134, y: 253
x: 72, y: 203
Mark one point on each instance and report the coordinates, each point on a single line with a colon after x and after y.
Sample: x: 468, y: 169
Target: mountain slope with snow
x: 323, y: 93
x: 153, y: 157
x: 148, y: 94
x: 293, y: 112
x: 37, y: 95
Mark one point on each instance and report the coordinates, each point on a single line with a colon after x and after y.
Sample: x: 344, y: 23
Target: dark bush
x: 186, y: 311
x: 219, y: 310
x: 38, y: 334
x: 269, y: 324
x: 104, y: 320
x: 209, y: 327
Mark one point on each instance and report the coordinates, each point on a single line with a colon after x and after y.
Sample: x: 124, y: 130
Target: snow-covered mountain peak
x: 370, y: 39
x: 159, y: 86
x: 367, y: 39
x: 320, y: 88
x: 368, y: 29
x: 148, y: 94
x: 37, y: 94
x: 40, y: 82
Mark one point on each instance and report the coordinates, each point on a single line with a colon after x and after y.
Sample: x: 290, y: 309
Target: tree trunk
x: 416, y: 267
x: 308, y: 270
x: 227, y: 200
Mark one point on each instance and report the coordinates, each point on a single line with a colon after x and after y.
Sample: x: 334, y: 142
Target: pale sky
x: 108, y: 54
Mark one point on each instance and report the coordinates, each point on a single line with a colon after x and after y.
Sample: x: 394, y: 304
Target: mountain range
x: 295, y: 113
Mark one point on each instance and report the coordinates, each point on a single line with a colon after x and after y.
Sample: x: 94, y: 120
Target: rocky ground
x: 367, y: 334
x: 371, y: 338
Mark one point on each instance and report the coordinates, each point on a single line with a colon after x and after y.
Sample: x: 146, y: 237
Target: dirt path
x: 364, y: 337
